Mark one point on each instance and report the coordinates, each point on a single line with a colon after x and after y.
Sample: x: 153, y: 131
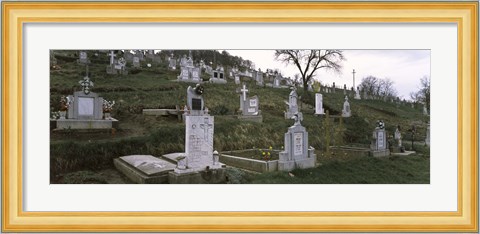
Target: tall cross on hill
x: 353, y: 77
x: 244, y: 92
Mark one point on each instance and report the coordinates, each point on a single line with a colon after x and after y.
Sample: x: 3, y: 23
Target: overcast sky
x: 403, y: 67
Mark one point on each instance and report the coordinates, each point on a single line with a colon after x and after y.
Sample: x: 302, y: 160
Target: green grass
x: 155, y: 88
x: 362, y: 170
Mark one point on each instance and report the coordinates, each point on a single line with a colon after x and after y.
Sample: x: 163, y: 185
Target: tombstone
x: 259, y: 77
x: 333, y: 87
x: 344, y: 89
x: 83, y: 58
x: 139, y: 54
x: 188, y: 72
x: 379, y: 146
x: 365, y: 96
x: 398, y: 141
x: 297, y: 153
x: 218, y: 76
x: 346, y: 111
x: 136, y: 62
x: 128, y: 56
x: 292, y: 104
x: 199, y: 129
x: 116, y: 66
x: 85, y: 110
x: 310, y: 87
x: 425, y: 111
x: 172, y: 63
x: 277, y: 80
x: 237, y: 79
x: 319, y: 104
x: 249, y: 107
x: 357, y: 94
x: 427, y: 135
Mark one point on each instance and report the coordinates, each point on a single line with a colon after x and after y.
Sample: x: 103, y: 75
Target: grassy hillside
x: 155, y: 88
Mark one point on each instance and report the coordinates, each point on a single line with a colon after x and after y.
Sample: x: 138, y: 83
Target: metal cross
x: 86, y: 84
x: 244, y: 91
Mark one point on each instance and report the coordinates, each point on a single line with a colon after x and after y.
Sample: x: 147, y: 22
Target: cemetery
x: 141, y: 125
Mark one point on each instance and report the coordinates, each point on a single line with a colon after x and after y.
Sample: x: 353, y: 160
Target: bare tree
x: 423, y: 94
x: 378, y: 87
x: 310, y: 61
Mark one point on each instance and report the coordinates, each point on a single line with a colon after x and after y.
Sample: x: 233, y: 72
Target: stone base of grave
x: 218, y: 81
x: 160, y: 112
x: 380, y: 153
x: 208, y: 176
x: 251, y: 118
x: 86, y: 124
x: 144, y: 169
x: 297, y: 163
x: 397, y: 149
x: 196, y: 81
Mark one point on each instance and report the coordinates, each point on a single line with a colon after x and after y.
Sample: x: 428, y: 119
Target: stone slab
x: 406, y: 153
x: 380, y: 153
x: 134, y: 168
x: 251, y: 118
x: 249, y: 164
x: 212, y: 176
x: 86, y: 124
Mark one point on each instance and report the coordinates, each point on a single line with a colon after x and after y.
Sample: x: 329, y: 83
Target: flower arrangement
x: 64, y: 103
x: 266, y: 155
x: 108, y: 106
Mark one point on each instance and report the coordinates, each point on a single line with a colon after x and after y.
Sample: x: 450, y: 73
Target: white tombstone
x: 136, y: 62
x: 425, y: 111
x: 398, y: 137
x: 357, y: 94
x: 297, y: 153
x: 237, y: 79
x: 259, y: 77
x: 379, y: 146
x: 346, y: 112
x: 319, y: 104
x: 292, y: 104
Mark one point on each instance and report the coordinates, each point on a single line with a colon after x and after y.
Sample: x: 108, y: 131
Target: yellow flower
x: 271, y: 148
x: 263, y: 153
x: 268, y: 153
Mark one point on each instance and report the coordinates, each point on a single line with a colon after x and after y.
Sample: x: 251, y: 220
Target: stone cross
x: 112, y: 55
x: 244, y: 92
x: 205, y: 126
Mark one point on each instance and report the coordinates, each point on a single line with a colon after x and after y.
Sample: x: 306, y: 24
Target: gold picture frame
x: 16, y: 14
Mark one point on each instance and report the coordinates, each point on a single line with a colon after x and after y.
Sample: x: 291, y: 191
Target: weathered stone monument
x: 357, y: 94
x: 397, y: 147
x: 333, y: 87
x: 277, y: 80
x: 259, y: 77
x: 85, y: 110
x: 188, y: 72
x: 83, y: 58
x: 344, y: 89
x: 292, y: 104
x: 136, y: 62
x: 297, y: 153
x: 218, y: 76
x: 199, y: 157
x: 346, y: 111
x: 172, y: 62
x: 249, y: 107
x: 425, y: 111
x: 379, y: 146
x: 319, y: 104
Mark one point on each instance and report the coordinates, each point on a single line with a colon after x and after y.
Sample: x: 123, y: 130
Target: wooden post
x: 327, y: 133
